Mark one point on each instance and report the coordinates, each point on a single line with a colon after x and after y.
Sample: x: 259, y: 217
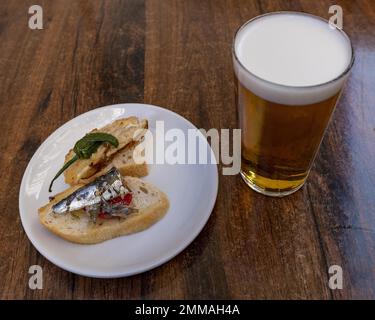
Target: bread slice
x: 124, y: 162
x: 152, y: 205
x: 128, y: 131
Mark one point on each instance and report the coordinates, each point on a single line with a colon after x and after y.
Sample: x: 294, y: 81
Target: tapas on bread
x: 106, y: 198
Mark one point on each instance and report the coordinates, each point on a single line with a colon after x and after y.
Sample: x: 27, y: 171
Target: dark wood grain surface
x: 176, y: 54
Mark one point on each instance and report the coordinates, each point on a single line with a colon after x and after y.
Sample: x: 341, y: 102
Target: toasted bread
x: 129, y: 132
x: 124, y: 162
x: 152, y: 204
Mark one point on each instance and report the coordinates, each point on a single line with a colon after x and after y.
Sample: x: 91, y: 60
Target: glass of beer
x: 290, y: 68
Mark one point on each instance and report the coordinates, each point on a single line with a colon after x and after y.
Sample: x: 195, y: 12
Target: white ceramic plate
x: 191, y: 188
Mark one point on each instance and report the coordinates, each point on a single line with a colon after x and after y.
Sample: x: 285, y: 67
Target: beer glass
x: 290, y: 69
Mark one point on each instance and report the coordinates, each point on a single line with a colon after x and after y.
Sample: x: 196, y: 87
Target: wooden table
x: 176, y: 54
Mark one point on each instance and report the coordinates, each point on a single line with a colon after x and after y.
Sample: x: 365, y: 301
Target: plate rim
x: 167, y: 257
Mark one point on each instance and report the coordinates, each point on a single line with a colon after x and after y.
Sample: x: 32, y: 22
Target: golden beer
x: 285, y: 95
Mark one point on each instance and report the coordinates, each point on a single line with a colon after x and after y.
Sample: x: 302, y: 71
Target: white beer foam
x: 292, y: 58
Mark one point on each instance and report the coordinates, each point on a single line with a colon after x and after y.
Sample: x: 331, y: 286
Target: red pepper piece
x: 116, y: 200
x: 127, y: 199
